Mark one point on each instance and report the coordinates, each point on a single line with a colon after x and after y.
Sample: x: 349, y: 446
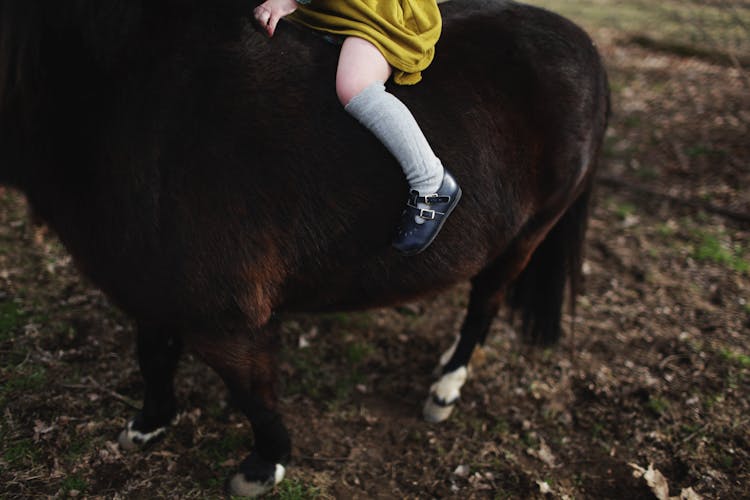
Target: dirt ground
x: 656, y: 372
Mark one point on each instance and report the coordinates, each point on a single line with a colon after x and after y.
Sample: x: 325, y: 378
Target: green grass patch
x: 328, y: 372
x: 726, y: 461
x: 346, y: 321
x: 345, y: 385
x: 76, y: 450
x: 609, y: 149
x: 74, y: 483
x: 624, y: 209
x: 21, y: 452
x: 501, y: 428
x: 26, y: 379
x: 658, y: 405
x: 597, y: 429
x: 712, y: 401
x: 502, y: 494
x: 710, y: 248
x: 683, y: 27
x: 740, y: 359
x: 530, y: 440
x: 700, y: 150
x: 214, y: 484
x: 218, y: 450
x: 665, y: 230
x: 632, y: 121
x: 293, y: 489
x: 688, y: 429
x: 308, y: 377
x: 11, y: 320
x: 647, y: 173
x: 21, y: 380
x: 358, y: 352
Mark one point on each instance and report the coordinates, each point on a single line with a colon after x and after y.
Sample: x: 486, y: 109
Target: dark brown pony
x: 206, y: 178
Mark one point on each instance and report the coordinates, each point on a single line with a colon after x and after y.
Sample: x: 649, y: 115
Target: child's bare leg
x: 360, y: 65
x: 362, y: 72
x: 360, y: 79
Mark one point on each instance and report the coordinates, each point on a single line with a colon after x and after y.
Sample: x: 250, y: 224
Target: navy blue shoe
x: 413, y: 237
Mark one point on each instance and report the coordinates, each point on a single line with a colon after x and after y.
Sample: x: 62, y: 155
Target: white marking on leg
x: 444, y: 395
x: 448, y: 388
x: 239, y: 486
x: 447, y: 355
x: 131, y: 439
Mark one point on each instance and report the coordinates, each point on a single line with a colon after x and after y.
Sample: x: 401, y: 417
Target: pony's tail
x: 538, y: 293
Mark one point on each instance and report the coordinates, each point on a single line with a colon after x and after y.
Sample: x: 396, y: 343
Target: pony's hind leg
x: 484, y: 303
x: 158, y: 354
x: 246, y: 361
x: 545, y: 277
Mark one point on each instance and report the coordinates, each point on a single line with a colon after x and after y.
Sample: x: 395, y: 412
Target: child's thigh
x: 360, y: 65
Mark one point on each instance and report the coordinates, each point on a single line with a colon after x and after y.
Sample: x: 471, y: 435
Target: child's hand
x: 269, y: 12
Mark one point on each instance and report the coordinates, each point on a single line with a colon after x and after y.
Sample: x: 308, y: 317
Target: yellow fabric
x: 405, y: 31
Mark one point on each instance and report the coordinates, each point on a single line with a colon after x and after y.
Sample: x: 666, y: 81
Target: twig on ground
x: 696, y: 432
x: 681, y: 157
x: 93, y: 384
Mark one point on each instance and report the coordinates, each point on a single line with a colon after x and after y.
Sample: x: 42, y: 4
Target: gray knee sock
x: 393, y: 124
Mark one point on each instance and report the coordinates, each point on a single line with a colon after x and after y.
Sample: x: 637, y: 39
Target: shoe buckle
x: 427, y: 214
x: 429, y: 197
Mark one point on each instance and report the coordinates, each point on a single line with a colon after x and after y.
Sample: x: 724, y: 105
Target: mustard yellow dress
x: 405, y: 31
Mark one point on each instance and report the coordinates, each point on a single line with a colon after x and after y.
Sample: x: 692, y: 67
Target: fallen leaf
x: 655, y: 480
x: 461, y: 471
x: 544, y: 453
x: 689, y: 494
x: 658, y: 484
x: 40, y: 428
x: 544, y: 487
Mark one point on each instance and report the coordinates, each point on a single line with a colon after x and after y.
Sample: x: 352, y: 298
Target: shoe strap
x: 425, y: 214
x: 429, y: 199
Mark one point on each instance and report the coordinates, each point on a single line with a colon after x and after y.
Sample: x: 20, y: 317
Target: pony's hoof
x: 255, y: 477
x: 436, y: 410
x: 444, y: 394
x: 132, y: 439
